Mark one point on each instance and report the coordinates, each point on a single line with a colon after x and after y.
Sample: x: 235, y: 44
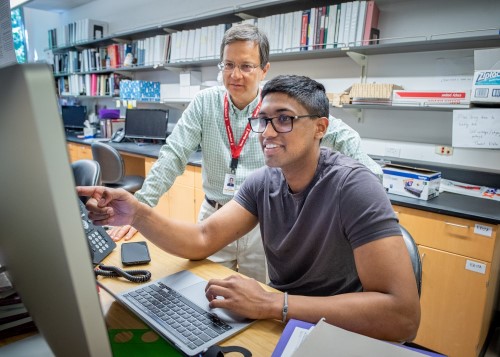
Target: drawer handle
x: 456, y: 225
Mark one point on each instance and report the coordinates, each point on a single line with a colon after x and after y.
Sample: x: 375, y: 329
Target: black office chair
x: 86, y: 172
x: 414, y: 256
x: 113, y: 168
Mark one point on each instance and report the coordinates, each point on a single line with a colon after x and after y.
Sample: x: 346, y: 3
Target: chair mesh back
x: 111, y: 162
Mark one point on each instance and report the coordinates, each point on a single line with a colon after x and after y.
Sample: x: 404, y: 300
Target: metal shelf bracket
x: 362, y: 61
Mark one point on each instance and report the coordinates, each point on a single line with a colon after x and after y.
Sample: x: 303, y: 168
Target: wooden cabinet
x: 184, y: 198
x: 181, y: 196
x: 459, y: 280
x: 162, y: 205
x: 78, y: 152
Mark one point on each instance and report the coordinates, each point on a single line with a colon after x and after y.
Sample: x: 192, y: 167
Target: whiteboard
x: 476, y: 128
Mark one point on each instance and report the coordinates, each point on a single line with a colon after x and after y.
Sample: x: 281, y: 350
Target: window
x: 19, y: 35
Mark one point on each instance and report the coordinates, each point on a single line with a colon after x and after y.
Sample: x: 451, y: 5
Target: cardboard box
x: 486, y: 82
x: 411, y: 181
x: 486, y: 87
x: 145, y: 91
x: 191, y: 78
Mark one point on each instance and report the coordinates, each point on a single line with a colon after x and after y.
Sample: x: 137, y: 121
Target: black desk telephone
x: 118, y: 136
x: 100, y: 243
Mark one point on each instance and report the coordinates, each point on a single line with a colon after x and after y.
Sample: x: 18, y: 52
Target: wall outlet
x: 392, y: 151
x: 444, y: 150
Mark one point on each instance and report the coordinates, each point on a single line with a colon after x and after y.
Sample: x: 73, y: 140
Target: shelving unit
x: 363, y: 55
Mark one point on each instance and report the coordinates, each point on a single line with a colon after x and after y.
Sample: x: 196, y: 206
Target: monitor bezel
x: 43, y: 246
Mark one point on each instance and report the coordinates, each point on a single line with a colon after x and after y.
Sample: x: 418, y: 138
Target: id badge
x: 229, y: 185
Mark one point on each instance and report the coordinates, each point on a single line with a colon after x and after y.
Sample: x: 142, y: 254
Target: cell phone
x: 135, y: 253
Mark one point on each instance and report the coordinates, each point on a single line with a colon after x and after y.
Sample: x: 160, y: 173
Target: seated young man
x: 332, y: 241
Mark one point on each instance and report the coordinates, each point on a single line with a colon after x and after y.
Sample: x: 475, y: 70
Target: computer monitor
x: 43, y: 246
x: 73, y: 116
x: 146, y: 124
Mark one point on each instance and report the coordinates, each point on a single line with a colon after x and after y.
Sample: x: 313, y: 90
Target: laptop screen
x: 146, y: 124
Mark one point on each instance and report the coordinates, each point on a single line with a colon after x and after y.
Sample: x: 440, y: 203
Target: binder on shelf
x: 371, y: 22
x: 353, y: 24
x: 361, y: 23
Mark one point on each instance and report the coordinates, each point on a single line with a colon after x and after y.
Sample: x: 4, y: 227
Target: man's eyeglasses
x: 281, y: 124
x: 230, y: 67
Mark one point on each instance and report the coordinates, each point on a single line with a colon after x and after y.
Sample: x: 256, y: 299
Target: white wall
x: 37, y: 23
x: 413, y: 133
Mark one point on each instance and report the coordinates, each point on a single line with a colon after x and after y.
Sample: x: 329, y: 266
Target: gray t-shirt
x: 309, y: 236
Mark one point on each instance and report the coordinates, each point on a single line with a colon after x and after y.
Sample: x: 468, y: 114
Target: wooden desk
x: 260, y: 338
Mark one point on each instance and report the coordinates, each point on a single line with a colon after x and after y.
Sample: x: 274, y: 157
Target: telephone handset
x: 118, y: 135
x: 100, y: 243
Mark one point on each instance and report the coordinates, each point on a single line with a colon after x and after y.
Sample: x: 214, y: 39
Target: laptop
x: 175, y: 307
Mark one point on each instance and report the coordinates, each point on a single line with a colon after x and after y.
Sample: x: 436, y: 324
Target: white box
x: 486, y: 82
x: 193, y: 90
x: 191, y: 78
x: 184, y: 91
x: 486, y: 86
x: 487, y: 59
x: 455, y: 98
x: 411, y: 181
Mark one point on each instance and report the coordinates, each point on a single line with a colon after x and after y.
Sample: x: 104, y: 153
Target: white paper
x: 326, y: 340
x: 476, y: 128
x: 295, y: 340
x: 7, y: 53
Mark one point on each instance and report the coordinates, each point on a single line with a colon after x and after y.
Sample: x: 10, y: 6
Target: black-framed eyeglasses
x: 281, y: 123
x: 230, y: 67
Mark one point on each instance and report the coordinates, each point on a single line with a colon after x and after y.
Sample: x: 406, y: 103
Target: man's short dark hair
x: 309, y: 93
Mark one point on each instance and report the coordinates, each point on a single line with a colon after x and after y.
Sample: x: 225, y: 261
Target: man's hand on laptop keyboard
x: 244, y: 296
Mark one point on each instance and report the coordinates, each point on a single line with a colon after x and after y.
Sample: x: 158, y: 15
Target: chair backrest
x: 414, y: 256
x: 112, y: 165
x: 86, y: 172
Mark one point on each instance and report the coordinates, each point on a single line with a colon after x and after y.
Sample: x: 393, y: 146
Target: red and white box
x: 459, y: 99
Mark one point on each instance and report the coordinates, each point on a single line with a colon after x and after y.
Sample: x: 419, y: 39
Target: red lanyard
x: 236, y: 149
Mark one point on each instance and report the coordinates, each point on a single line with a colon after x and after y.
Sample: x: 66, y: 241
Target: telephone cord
x: 136, y: 276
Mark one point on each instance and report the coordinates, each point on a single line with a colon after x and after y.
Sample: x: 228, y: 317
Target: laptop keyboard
x: 182, y: 318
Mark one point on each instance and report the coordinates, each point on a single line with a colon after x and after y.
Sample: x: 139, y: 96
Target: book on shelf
x: 323, y: 26
x: 341, y: 27
x: 311, y: 29
x: 361, y: 23
x: 371, y: 22
x: 82, y: 30
x: 331, y: 26
x: 304, y: 30
x: 353, y: 23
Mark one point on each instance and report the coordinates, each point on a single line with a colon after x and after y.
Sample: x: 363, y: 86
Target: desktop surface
x: 260, y: 338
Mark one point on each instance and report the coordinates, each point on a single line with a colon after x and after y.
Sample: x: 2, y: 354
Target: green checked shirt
x: 202, y: 123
